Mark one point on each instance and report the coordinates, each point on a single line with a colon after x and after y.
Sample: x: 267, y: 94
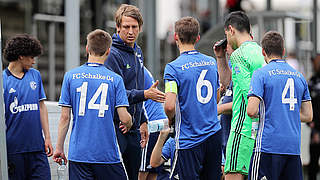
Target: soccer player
x: 164, y: 150
x: 245, y: 59
x: 192, y: 82
x: 94, y: 94
x: 285, y: 102
x: 153, y: 111
x: 126, y: 59
x: 26, y: 115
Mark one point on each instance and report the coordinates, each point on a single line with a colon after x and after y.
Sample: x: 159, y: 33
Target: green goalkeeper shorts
x: 238, y: 153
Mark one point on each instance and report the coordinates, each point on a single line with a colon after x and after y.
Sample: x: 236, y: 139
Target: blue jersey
x: 153, y: 110
x: 21, y: 99
x: 281, y: 90
x: 93, y: 92
x: 196, y: 76
x: 169, y: 149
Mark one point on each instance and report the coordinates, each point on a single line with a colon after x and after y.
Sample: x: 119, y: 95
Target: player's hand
x: 154, y: 94
x: 48, y: 147
x: 164, y: 133
x: 58, y: 156
x: 219, y: 51
x: 144, y: 134
x: 124, y: 129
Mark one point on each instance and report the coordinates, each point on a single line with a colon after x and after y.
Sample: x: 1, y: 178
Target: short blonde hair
x: 129, y: 11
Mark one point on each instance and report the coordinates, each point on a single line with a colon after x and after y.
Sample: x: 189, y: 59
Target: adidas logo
x: 128, y: 66
x: 264, y: 178
x: 12, y: 91
x: 244, y: 168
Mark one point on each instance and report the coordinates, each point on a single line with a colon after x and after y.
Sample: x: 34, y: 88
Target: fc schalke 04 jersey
x: 281, y: 90
x: 245, y: 60
x: 22, y: 111
x: 196, y: 76
x: 153, y: 110
x: 93, y: 92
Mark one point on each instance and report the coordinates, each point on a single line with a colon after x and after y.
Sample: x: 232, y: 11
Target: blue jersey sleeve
x: 306, y: 94
x: 168, y: 149
x: 65, y: 96
x: 170, y: 74
x: 148, y: 79
x: 121, y: 97
x: 42, y: 94
x: 256, y: 85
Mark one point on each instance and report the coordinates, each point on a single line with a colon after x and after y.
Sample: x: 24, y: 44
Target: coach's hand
x: 144, y: 134
x: 58, y: 156
x: 154, y: 94
x: 48, y: 147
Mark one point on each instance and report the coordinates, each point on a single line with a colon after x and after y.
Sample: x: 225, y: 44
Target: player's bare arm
x: 125, y: 118
x: 306, y: 112
x: 253, y: 106
x: 223, y: 67
x: 156, y: 159
x: 62, y: 132
x: 225, y: 108
x: 170, y: 106
x: 45, y: 128
x: 154, y: 94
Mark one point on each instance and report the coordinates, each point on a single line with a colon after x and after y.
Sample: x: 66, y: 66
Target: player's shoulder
x: 33, y: 71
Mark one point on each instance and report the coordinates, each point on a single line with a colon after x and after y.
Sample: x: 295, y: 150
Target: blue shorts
x: 202, y: 161
x: 275, y: 166
x: 80, y: 171
x: 146, y: 154
x: 30, y: 165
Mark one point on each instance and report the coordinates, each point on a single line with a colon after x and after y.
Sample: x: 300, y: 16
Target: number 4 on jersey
x: 102, y: 90
x: 291, y: 100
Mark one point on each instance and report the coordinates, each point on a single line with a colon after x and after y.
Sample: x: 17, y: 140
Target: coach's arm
x: 306, y: 112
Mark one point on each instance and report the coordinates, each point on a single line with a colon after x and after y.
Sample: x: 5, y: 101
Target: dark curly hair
x: 22, y: 45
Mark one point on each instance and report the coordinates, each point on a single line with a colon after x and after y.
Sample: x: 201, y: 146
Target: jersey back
x: 153, y: 110
x: 22, y: 113
x: 281, y: 90
x: 93, y: 92
x: 245, y: 60
x: 196, y: 76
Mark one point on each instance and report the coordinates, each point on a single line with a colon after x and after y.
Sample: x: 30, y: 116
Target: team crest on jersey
x: 33, y: 85
x: 236, y: 70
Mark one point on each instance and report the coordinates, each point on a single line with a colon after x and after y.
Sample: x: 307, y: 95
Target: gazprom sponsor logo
x: 14, y: 108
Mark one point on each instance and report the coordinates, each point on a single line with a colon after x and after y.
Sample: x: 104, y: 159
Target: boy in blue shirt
x: 285, y: 102
x: 26, y: 115
x: 94, y: 94
x: 153, y: 111
x: 191, y: 85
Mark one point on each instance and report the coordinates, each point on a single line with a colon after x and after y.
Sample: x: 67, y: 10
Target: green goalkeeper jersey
x: 245, y: 60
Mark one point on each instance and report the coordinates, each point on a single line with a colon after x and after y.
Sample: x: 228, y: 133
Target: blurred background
x: 62, y: 26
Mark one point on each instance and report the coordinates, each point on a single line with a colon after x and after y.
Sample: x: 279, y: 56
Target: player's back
x: 93, y: 92
x: 197, y: 79
x: 245, y: 60
x: 283, y: 92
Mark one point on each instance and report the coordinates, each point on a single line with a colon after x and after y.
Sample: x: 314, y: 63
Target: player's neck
x: 16, y: 69
x: 96, y: 59
x: 270, y: 58
x: 244, y: 37
x: 186, y: 47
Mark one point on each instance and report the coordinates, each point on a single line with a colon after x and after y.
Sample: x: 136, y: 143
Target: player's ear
x: 283, y: 52
x: 264, y: 53
x: 108, y: 51
x: 87, y: 49
x: 198, y: 38
x: 176, y: 37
